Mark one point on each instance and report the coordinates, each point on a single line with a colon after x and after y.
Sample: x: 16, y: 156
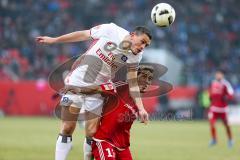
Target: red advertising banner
x: 33, y: 98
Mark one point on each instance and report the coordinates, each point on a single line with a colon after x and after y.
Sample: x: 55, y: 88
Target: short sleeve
x: 103, y: 30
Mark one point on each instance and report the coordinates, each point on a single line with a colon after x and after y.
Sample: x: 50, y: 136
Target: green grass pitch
x: 34, y: 139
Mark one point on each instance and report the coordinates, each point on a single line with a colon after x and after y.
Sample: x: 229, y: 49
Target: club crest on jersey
x: 65, y: 99
x: 124, y: 58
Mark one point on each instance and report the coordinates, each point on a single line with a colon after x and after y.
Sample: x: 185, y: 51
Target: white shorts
x: 92, y: 103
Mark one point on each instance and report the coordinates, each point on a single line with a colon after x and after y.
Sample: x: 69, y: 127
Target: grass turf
x: 35, y: 138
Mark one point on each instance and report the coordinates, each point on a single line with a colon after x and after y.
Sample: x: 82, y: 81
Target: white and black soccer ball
x: 163, y: 15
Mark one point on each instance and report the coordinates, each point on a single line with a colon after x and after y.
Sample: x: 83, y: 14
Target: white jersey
x: 99, y: 64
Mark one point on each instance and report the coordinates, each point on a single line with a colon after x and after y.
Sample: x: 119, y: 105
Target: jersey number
x: 110, y: 152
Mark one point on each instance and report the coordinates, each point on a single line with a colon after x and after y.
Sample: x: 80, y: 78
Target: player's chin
x: 142, y: 89
x: 135, y: 51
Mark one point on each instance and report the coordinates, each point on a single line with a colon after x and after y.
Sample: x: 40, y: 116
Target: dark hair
x: 145, y: 67
x: 221, y: 71
x: 143, y: 30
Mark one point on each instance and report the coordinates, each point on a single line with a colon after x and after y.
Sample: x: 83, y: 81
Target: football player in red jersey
x: 112, y: 139
x: 220, y: 93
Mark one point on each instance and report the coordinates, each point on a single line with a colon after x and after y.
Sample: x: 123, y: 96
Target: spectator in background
x: 203, y: 103
x: 200, y: 30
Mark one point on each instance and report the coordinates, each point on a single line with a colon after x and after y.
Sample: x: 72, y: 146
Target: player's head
x: 219, y: 75
x: 145, y: 77
x: 140, y: 38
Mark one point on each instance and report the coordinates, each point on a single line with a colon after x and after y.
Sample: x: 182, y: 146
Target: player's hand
x: 45, y: 39
x: 143, y: 115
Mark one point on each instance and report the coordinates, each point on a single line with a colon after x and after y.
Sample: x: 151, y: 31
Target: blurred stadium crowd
x: 205, y: 35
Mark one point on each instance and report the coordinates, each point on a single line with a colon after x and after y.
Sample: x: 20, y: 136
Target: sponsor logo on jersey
x: 131, y: 109
x: 106, y: 59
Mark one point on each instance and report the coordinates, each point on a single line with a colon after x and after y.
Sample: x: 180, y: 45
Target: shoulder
x: 117, y: 31
x: 111, y: 26
x: 227, y: 83
x: 110, y: 30
x: 118, y: 28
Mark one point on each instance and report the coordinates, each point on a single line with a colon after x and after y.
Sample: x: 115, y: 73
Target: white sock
x: 87, y: 149
x: 63, y: 146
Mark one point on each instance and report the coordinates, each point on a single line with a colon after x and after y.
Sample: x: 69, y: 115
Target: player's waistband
x: 219, y: 109
x: 99, y: 140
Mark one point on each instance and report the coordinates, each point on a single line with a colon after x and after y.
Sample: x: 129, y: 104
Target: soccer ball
x: 163, y: 15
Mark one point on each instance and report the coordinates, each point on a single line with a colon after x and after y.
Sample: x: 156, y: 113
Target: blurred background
x: 205, y: 37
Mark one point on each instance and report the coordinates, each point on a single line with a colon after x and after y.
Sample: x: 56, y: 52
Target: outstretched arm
x: 70, y: 37
x: 135, y: 93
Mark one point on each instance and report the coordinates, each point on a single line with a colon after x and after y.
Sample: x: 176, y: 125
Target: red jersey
x: 220, y: 92
x: 115, y: 126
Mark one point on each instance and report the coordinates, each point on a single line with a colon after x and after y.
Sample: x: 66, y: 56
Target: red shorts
x: 105, y: 151
x: 216, y: 115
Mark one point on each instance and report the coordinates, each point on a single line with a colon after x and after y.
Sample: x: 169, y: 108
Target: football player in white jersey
x: 113, y: 47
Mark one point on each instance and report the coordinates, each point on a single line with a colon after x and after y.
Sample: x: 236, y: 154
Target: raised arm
x: 70, y: 37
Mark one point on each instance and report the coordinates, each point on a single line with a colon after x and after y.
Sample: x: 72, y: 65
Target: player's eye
x: 144, y: 76
x: 144, y: 42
